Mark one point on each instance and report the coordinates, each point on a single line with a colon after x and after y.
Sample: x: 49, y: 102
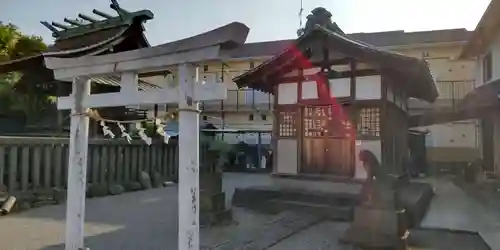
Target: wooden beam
x: 72, y: 22
x: 87, y: 18
x: 55, y: 32
x: 61, y: 26
x: 331, y: 75
x: 142, y: 60
x: 102, y: 14
x: 205, y: 92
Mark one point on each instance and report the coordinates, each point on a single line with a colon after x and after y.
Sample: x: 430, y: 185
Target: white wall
x: 452, y: 135
x: 367, y: 88
x: 287, y: 157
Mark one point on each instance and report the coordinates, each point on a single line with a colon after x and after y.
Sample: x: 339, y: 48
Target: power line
x: 300, y: 14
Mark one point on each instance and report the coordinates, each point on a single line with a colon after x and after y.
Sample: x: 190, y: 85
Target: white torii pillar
x: 77, y: 171
x: 189, y: 161
x: 188, y: 94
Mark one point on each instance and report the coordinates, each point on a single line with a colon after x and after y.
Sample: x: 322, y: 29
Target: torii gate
x: 187, y: 94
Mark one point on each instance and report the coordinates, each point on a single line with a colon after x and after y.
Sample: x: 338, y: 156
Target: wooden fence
x: 29, y: 164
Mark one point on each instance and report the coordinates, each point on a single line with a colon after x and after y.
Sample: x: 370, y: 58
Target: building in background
x: 484, y: 48
x: 248, y: 109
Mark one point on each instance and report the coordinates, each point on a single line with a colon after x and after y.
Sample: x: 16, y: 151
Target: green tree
x: 14, y: 45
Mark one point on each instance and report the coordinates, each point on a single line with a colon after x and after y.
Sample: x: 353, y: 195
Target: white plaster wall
x: 340, y: 87
x: 368, y: 87
x: 309, y: 90
x: 374, y: 146
x: 287, y: 93
x: 452, y: 135
x: 287, y: 157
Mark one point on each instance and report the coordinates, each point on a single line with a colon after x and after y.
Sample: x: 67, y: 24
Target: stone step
x: 285, y: 225
x: 251, y: 197
x: 338, y: 213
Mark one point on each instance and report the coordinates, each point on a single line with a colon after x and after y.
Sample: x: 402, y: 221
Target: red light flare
x: 343, y: 121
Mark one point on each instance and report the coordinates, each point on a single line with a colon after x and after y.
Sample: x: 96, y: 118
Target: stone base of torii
x: 187, y: 94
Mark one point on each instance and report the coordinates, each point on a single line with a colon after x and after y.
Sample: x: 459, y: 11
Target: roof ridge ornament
x: 86, y: 24
x: 321, y: 17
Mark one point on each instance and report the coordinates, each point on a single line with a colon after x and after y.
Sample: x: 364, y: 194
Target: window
x: 250, y: 117
x: 205, y: 118
x: 369, y: 122
x: 263, y: 117
x: 205, y: 68
x: 287, y: 121
x: 487, y: 67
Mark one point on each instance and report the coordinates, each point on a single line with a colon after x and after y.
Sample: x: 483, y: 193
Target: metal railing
x: 241, y: 100
x: 452, y: 92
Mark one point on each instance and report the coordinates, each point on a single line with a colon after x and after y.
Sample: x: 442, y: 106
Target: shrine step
x: 330, y: 205
x: 251, y: 197
x: 337, y: 213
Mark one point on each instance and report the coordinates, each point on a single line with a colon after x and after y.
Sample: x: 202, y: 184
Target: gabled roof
x: 417, y: 76
x: 119, y: 33
x: 379, y: 39
x: 486, y: 31
x: 484, y: 96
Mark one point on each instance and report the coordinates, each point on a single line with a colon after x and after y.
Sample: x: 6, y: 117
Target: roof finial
x: 321, y: 17
x: 115, y: 6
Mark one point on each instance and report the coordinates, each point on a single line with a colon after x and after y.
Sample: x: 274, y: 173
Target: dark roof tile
x: 379, y: 39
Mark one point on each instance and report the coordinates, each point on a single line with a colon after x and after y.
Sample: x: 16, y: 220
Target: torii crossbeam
x: 187, y: 94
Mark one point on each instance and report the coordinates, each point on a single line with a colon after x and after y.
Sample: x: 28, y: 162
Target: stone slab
x: 337, y: 213
x: 435, y: 238
x: 263, y: 238
x: 253, y: 196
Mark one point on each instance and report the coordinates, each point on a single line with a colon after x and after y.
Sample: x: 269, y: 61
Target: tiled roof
x: 484, y: 96
x: 379, y: 39
x: 418, y: 78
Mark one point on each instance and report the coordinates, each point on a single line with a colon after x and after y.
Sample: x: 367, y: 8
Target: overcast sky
x: 267, y: 19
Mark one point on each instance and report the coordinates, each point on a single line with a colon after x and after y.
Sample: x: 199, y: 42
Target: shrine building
x: 335, y: 96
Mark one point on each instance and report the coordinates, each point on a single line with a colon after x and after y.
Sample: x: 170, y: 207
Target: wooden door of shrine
x: 327, y: 147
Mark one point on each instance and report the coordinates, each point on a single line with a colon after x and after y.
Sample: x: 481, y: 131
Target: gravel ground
x: 137, y: 220
x: 148, y: 220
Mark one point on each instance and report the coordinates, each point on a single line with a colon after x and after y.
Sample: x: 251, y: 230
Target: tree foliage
x: 14, y: 45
